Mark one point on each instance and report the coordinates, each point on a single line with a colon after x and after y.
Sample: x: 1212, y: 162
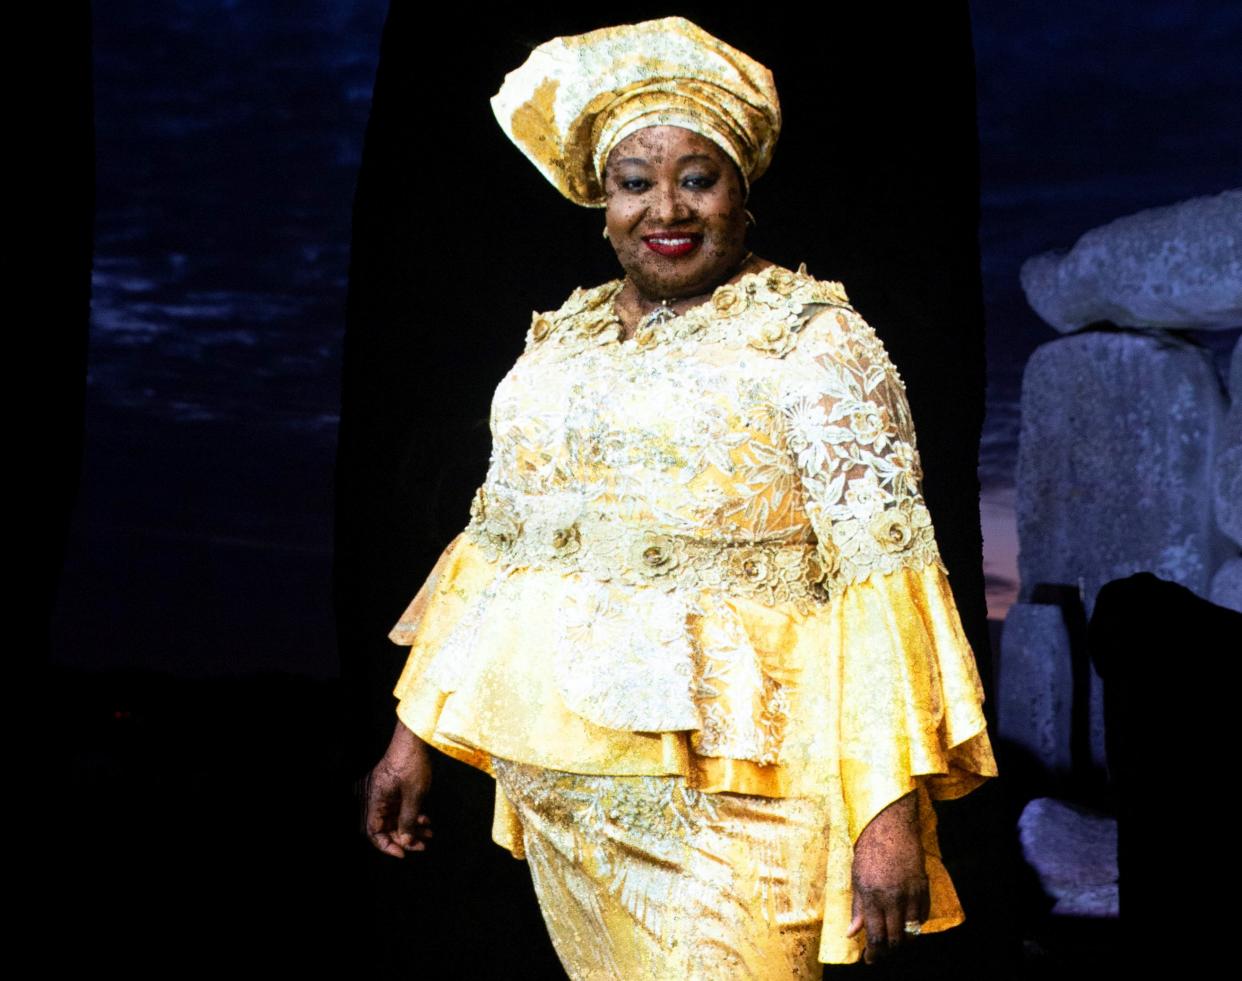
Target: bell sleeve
x: 907, y: 704
x: 433, y: 619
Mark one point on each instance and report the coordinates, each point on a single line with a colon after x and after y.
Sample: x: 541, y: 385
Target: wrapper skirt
x: 645, y: 877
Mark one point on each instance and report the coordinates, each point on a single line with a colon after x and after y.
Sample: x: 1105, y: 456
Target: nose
x: 669, y: 205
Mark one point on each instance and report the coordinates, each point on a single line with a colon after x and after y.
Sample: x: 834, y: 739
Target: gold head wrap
x: 577, y: 97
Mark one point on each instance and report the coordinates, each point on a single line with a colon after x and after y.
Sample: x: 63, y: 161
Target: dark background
x: 200, y: 714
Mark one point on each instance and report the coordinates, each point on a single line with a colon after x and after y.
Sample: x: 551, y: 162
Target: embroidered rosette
x: 765, y: 310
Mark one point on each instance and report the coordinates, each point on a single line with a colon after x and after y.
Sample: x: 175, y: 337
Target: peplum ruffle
x: 862, y: 699
x: 704, y: 551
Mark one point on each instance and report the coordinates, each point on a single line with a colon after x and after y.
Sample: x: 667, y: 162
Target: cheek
x: 618, y: 217
x: 729, y: 219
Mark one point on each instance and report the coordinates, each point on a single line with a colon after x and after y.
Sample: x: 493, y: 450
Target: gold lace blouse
x: 704, y: 551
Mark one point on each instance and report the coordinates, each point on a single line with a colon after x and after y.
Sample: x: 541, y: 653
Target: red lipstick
x: 672, y: 245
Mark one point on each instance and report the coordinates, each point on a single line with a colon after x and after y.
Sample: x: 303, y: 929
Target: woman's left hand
x: 890, y: 883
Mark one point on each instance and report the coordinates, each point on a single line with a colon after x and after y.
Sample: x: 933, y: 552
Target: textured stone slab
x: 1035, y: 682
x: 1074, y: 853
x: 1235, y: 373
x: 1227, y: 484
x: 1227, y: 586
x: 1178, y: 266
x: 1115, y: 463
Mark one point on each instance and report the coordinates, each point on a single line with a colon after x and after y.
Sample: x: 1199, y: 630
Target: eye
x: 699, y: 182
x: 635, y: 185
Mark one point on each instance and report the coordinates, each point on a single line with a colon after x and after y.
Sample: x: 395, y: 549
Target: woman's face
x: 676, y: 213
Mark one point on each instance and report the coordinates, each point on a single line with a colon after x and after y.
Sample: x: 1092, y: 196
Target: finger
x: 415, y: 840
x: 856, y: 923
x: 379, y: 822
x: 419, y: 837
x: 877, y: 932
x: 383, y: 841
x: 408, y: 826
x: 895, y: 920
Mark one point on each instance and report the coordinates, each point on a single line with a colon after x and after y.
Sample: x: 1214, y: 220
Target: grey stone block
x: 1227, y: 481
x: 1227, y: 586
x: 1074, y: 853
x: 1235, y: 374
x: 1227, y: 488
x: 1175, y: 267
x: 1035, y: 683
x: 1115, y: 463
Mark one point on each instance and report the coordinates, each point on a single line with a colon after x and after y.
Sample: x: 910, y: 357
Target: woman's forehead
x: 656, y: 144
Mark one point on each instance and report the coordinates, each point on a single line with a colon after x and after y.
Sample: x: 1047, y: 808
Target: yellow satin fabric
x: 635, y: 595
x: 884, y: 699
x: 644, y: 877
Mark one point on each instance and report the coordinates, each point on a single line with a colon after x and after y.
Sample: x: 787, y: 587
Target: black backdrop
x: 457, y: 238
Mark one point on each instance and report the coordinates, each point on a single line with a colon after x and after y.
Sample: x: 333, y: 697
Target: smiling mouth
x: 673, y: 245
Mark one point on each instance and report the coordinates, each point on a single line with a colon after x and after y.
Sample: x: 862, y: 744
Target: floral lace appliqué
x: 757, y: 446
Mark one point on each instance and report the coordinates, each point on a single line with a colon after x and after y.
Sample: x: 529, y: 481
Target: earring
x: 750, y: 219
x: 605, y: 231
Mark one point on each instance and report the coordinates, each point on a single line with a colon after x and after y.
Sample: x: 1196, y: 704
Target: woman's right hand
x: 395, y: 789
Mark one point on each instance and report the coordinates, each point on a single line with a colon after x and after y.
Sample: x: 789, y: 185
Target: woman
x: 697, y: 628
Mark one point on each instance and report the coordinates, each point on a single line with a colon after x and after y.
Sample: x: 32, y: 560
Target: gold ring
x: 914, y: 927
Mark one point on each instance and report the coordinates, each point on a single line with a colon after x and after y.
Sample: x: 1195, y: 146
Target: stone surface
x: 1227, y: 482
x: 1227, y: 585
x: 1035, y: 683
x: 1115, y: 463
x: 1095, y: 721
x: 1235, y: 373
x: 1178, y: 266
x: 1074, y: 853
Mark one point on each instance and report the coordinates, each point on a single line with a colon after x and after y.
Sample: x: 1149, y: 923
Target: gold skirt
x: 644, y: 877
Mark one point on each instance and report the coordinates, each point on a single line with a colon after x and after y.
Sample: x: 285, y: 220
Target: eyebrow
x: 644, y: 162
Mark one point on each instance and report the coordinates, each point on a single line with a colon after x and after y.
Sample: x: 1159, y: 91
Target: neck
x: 645, y: 302
x: 632, y: 306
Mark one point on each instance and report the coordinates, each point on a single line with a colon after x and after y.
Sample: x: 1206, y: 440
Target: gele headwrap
x: 577, y: 97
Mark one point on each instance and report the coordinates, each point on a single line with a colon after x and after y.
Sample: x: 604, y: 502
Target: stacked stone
x: 1226, y: 589
x: 1130, y: 452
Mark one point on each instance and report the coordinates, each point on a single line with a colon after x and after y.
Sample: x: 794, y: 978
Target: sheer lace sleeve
x: 849, y: 428
x: 907, y: 695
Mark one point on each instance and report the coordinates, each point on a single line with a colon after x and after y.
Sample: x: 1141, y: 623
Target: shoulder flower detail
x: 729, y: 300
x: 780, y: 302
x: 583, y: 318
x: 540, y: 327
x: 781, y: 281
x: 775, y: 334
x: 765, y: 310
x: 585, y: 300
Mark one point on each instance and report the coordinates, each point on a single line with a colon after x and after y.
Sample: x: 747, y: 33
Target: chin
x: 673, y: 283
x: 671, y: 288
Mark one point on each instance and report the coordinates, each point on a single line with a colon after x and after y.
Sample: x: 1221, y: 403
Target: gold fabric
x: 577, y: 97
x: 645, y: 877
x: 703, y: 552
